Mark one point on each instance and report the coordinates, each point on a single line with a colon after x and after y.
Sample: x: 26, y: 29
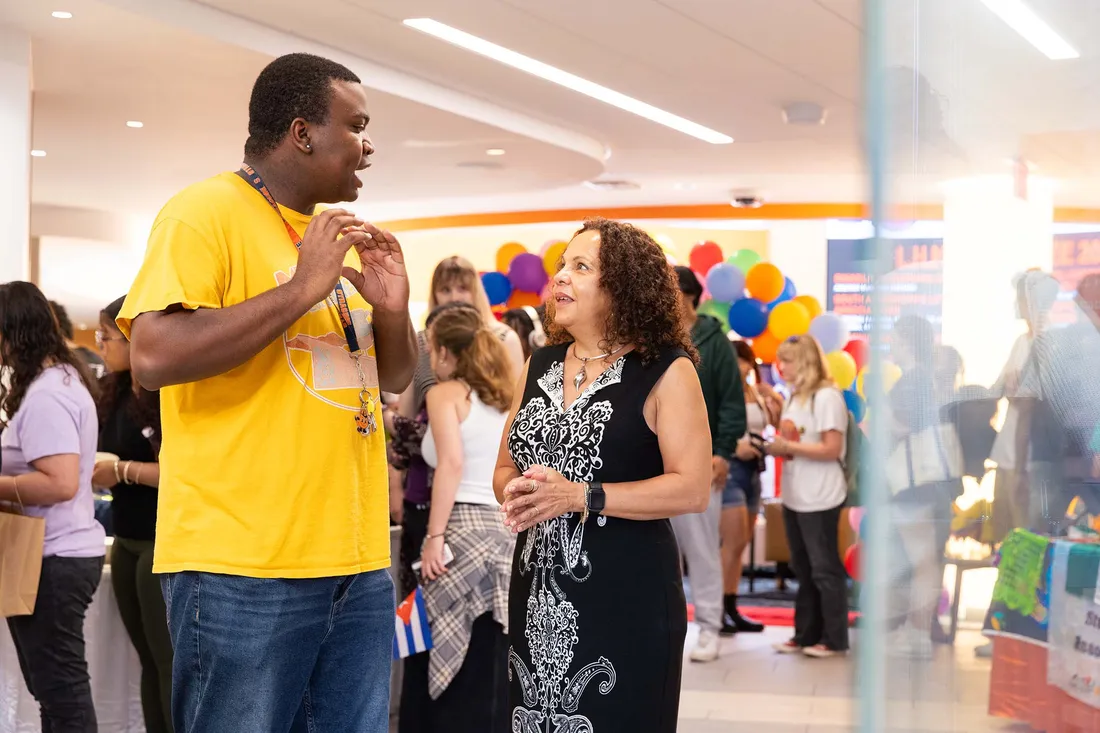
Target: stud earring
x: 309, y: 146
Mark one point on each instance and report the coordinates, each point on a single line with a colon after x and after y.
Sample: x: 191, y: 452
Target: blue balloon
x: 726, y: 283
x: 497, y: 286
x: 789, y: 292
x: 830, y: 332
x: 748, y: 317
x: 856, y: 405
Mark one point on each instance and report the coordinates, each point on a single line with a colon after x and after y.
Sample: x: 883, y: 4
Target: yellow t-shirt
x: 262, y: 471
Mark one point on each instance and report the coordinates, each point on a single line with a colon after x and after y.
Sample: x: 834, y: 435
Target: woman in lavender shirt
x: 48, y: 419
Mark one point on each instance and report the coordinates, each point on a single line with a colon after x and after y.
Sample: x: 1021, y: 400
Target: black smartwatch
x: 597, y: 497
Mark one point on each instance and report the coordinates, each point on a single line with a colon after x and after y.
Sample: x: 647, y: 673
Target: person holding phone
x: 467, y: 600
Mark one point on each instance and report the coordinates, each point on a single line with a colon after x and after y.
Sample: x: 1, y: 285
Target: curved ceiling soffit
x: 212, y: 23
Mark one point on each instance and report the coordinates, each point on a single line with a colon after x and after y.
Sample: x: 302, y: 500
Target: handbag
x: 930, y: 456
x: 22, y: 542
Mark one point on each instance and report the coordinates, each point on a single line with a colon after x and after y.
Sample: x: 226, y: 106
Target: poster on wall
x: 1073, y: 662
x: 914, y: 285
x: 1075, y: 256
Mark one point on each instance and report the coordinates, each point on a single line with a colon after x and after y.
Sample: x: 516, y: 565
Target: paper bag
x: 22, y: 540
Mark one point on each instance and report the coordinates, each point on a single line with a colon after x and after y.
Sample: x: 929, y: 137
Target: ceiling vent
x: 612, y: 185
x: 804, y: 113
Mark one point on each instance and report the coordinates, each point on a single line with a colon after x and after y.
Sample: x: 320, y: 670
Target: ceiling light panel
x: 1022, y: 19
x: 563, y: 78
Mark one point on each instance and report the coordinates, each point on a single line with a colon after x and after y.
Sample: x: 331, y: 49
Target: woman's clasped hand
x: 541, y: 493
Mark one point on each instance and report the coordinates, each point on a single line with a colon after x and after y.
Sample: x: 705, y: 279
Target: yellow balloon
x: 507, y: 253
x: 552, y: 258
x: 789, y: 319
x: 811, y: 304
x: 891, y: 373
x: 843, y: 368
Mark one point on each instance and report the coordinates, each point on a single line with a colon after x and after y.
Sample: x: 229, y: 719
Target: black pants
x: 50, y: 644
x: 476, y: 701
x: 821, y: 605
x: 141, y: 605
x: 414, y: 528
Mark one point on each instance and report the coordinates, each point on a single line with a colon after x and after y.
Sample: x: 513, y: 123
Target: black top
x: 597, y: 616
x: 133, y: 507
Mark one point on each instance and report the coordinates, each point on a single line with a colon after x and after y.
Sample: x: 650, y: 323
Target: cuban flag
x: 412, y: 634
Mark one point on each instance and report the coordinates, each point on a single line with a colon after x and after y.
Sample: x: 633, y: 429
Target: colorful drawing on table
x: 1021, y: 597
x: 1073, y: 661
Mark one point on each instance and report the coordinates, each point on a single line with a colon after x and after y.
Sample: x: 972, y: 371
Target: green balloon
x: 743, y: 259
x: 721, y: 311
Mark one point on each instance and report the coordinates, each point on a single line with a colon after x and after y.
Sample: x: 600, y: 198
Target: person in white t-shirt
x: 811, y: 439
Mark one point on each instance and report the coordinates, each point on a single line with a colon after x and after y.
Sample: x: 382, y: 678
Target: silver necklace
x: 582, y: 375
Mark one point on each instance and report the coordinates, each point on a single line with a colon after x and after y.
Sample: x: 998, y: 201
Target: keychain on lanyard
x: 365, y: 421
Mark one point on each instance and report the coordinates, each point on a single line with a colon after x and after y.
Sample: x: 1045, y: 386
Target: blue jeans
x: 280, y: 656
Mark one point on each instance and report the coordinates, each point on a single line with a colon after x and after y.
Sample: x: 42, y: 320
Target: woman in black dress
x: 607, y: 440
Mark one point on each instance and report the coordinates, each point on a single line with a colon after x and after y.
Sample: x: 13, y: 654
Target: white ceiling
x: 185, y: 69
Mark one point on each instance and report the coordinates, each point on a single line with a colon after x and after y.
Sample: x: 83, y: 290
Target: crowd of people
x: 266, y: 409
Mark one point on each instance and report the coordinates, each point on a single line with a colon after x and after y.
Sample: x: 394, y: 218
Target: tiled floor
x: 753, y: 689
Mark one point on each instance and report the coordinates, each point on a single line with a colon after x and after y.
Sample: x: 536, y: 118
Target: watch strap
x: 597, y: 497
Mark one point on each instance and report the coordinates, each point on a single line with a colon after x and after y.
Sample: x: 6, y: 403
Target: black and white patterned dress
x: 596, y: 611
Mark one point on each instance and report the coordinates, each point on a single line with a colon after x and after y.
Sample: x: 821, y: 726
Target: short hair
x: 291, y: 86
x: 689, y: 284
x: 63, y: 320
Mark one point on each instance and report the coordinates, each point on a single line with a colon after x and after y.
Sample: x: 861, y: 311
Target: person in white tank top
x: 467, y: 599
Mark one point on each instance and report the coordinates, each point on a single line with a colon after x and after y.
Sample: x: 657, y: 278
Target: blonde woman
x: 812, y: 440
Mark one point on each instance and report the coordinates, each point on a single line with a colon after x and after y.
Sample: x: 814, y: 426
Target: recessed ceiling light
x: 134, y: 123
x: 1022, y: 19
x: 495, y: 151
x: 684, y: 186
x: 564, y: 78
x: 61, y: 14
x: 38, y: 153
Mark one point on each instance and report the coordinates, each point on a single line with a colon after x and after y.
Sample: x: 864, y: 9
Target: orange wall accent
x: 905, y: 212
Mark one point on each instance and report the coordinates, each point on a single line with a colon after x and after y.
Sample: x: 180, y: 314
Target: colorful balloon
x: 843, y: 368
x: 764, y: 282
x: 704, y: 256
x: 551, y: 258
x: 507, y: 253
x: 856, y: 404
x: 789, y: 293
x: 811, y: 304
x: 860, y: 351
x: 726, y: 283
x: 519, y: 299
x: 891, y: 373
x: 497, y: 287
x: 855, y: 516
x: 744, y: 259
x: 852, y: 561
x: 527, y: 273
x: 789, y: 319
x: 716, y: 309
x: 548, y: 244
x: 749, y: 318
x: 830, y: 332
x: 765, y: 346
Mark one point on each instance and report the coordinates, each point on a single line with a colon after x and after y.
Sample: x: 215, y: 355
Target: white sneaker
x: 706, y: 648
x: 911, y: 643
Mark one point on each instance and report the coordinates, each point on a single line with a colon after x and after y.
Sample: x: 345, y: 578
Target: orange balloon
x: 507, y: 253
x: 765, y: 347
x: 764, y: 282
x: 811, y: 304
x: 520, y: 299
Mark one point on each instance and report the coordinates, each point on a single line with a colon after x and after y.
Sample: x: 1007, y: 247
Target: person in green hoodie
x: 698, y: 534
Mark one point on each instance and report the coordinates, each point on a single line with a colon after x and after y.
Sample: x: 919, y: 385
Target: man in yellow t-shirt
x: 270, y: 330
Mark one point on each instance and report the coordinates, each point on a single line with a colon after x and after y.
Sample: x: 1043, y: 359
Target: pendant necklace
x: 582, y: 375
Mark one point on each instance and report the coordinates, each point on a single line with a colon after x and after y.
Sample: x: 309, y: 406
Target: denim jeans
x: 256, y: 654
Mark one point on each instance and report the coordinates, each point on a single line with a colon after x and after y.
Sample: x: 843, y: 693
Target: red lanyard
x: 253, y: 178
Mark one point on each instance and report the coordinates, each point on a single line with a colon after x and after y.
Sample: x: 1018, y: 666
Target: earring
x: 309, y: 146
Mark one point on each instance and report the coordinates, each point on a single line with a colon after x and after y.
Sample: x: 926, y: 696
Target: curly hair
x: 646, y: 310
x: 30, y: 339
x: 292, y: 86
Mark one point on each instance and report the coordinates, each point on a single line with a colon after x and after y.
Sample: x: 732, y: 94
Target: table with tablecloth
x: 1045, y: 625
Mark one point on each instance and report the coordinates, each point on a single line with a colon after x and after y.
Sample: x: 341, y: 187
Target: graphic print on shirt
x: 330, y: 367
x: 569, y: 442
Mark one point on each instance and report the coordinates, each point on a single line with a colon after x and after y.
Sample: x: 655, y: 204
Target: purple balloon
x: 726, y: 283
x: 830, y: 332
x: 749, y: 317
x: 527, y: 273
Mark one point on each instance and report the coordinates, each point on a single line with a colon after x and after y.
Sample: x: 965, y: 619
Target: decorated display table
x: 1045, y: 626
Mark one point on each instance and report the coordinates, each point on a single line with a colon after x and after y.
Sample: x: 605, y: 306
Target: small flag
x: 412, y: 634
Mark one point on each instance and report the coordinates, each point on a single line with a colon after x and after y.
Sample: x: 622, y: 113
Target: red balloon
x: 851, y: 561
x: 704, y: 256
x: 859, y: 350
